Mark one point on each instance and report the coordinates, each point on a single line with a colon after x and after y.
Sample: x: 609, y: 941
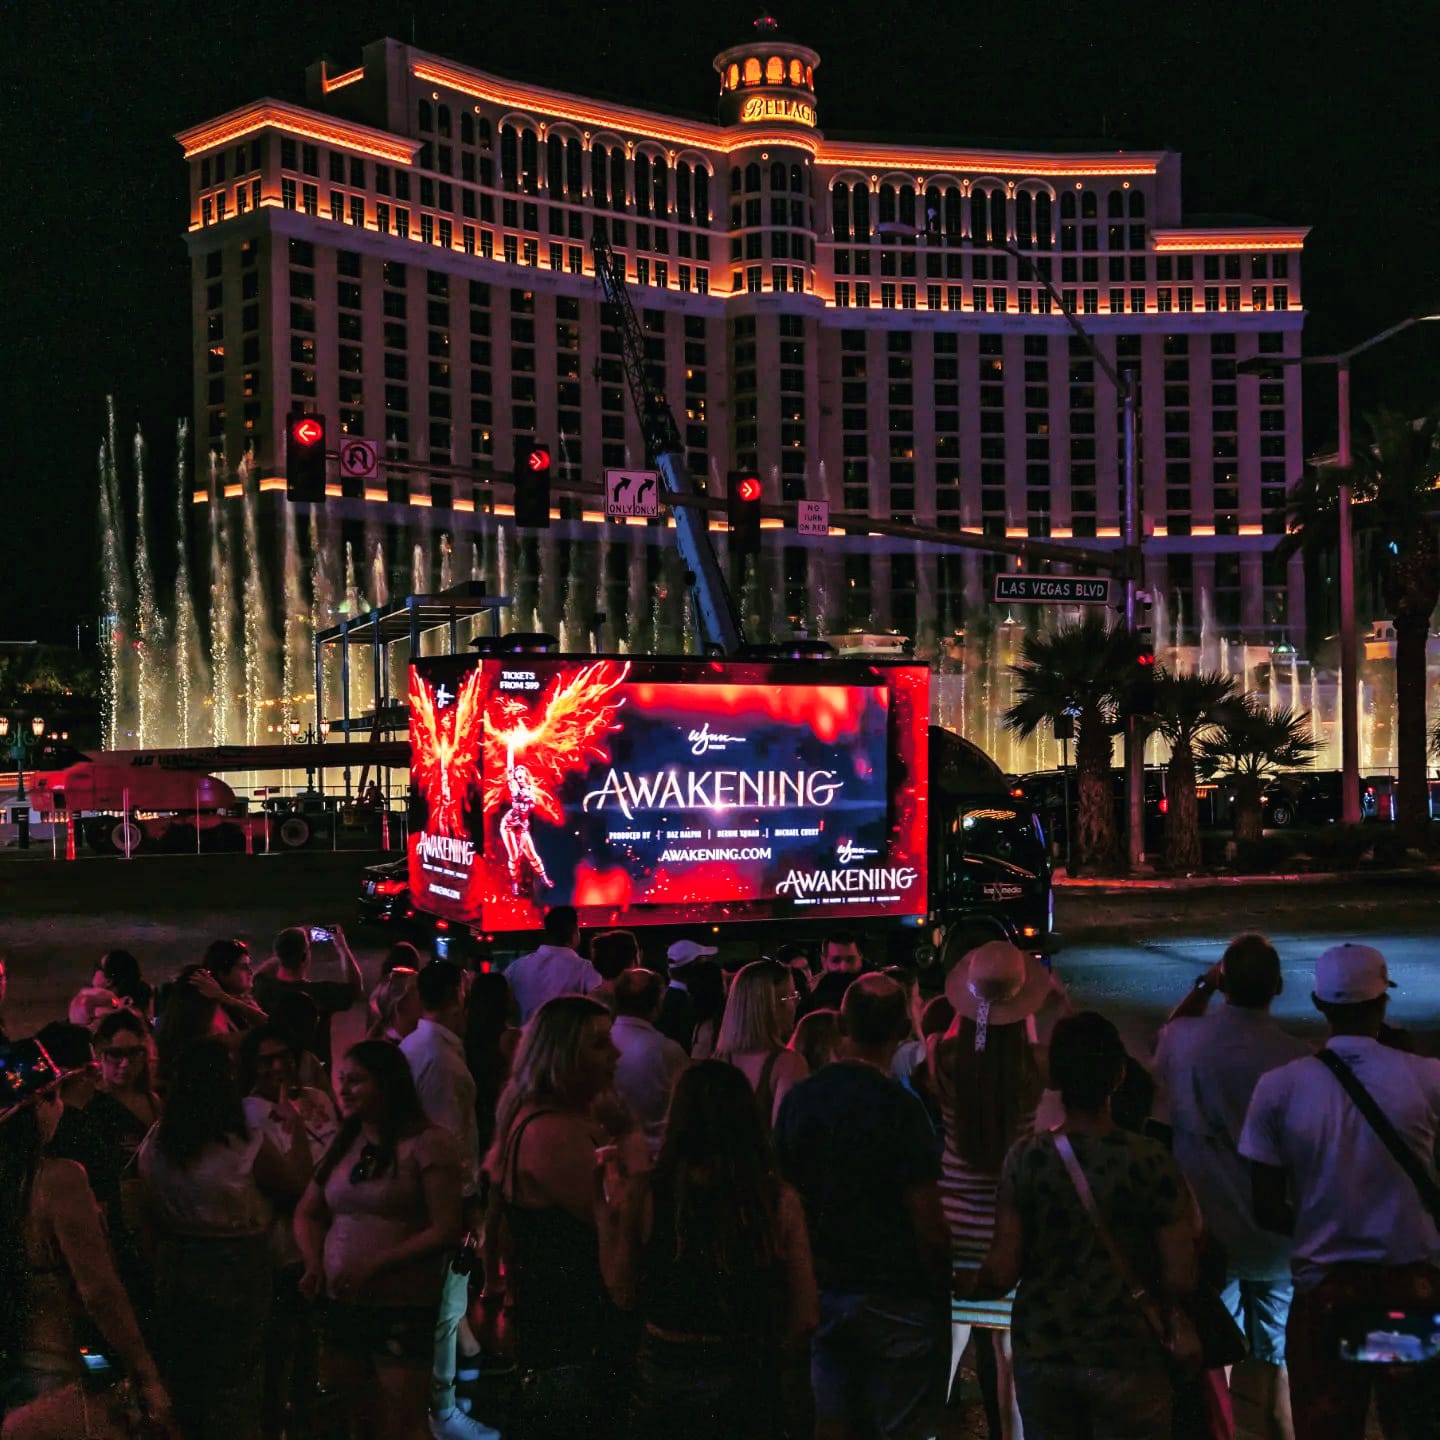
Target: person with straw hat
x: 988, y: 1073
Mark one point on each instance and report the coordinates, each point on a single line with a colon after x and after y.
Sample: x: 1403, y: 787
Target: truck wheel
x: 1282, y: 814
x: 118, y: 834
x: 294, y: 832
x: 97, y: 834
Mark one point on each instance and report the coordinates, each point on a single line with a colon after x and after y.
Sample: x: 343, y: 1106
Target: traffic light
x: 742, y: 508
x: 532, y: 483
x: 1142, y: 688
x: 305, y: 458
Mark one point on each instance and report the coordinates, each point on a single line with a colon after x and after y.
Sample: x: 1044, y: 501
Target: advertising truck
x: 760, y: 799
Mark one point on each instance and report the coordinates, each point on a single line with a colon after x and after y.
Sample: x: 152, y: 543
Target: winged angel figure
x: 541, y: 745
x: 445, y: 748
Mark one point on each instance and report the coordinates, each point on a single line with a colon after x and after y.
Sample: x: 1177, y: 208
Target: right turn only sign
x: 1053, y: 589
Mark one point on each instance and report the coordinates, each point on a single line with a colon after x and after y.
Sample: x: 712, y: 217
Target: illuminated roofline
x: 1276, y: 237
x: 327, y: 83
x: 993, y: 162
x: 292, y: 119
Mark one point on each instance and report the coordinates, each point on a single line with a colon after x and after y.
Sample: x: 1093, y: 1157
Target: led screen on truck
x: 653, y: 791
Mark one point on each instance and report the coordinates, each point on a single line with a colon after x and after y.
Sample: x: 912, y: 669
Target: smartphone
x: 319, y: 934
x: 1372, y: 1335
x: 98, y: 1370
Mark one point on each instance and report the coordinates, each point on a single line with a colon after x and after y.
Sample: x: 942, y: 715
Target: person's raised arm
x: 353, y: 976
x: 242, y: 1009
x: 1197, y: 998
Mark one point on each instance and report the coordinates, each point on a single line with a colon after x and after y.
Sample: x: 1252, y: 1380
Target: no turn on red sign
x: 812, y: 517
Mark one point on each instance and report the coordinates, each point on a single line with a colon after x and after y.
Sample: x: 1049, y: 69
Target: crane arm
x: 714, y: 608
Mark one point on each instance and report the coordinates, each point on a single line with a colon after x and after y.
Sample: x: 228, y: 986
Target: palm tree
x: 1250, y: 742
x: 1187, y: 710
x: 1393, y: 487
x: 1081, y: 670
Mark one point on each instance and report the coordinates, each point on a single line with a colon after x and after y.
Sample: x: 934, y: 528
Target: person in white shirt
x: 1206, y: 1068
x: 1363, y: 1236
x: 649, y: 1062
x: 436, y: 1055
x: 555, y: 968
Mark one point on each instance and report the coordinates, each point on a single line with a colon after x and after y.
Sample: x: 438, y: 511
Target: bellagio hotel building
x: 408, y: 254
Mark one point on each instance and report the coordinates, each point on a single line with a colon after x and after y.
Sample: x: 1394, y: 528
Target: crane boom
x: 719, y: 624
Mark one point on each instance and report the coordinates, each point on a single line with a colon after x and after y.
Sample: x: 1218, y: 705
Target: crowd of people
x: 662, y: 1196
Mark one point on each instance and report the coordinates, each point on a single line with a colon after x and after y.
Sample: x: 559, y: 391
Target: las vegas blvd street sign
x: 1053, y: 589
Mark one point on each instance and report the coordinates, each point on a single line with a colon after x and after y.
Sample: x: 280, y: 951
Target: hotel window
x: 310, y: 199
x: 357, y: 211
x: 287, y: 196
x: 512, y: 249
x: 1187, y: 299
x: 531, y: 252
x: 754, y: 280
x: 1282, y: 297
x: 1212, y: 297
x: 382, y: 217
x: 1232, y: 297
x: 1117, y: 301
x: 1162, y: 299
x: 1258, y: 297
x: 402, y: 223
x: 842, y: 294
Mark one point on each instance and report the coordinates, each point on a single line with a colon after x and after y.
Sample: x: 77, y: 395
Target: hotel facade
x: 407, y: 253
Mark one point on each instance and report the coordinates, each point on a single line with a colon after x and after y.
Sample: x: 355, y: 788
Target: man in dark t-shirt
x: 288, y: 973
x: 860, y: 1150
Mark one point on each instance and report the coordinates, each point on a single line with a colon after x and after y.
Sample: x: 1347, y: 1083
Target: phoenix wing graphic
x: 445, y: 750
x: 573, y: 714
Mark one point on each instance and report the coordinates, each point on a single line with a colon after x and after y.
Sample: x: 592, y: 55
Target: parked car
x: 384, y: 899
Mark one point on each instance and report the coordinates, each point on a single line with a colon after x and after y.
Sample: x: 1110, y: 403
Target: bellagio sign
x: 765, y: 107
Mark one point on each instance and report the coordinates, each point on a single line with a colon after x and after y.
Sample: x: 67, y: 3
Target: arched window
x: 840, y: 211
x: 427, y: 115
x: 642, y: 185
x: 574, y: 170
x: 509, y: 158
x: 954, y: 214
x: 467, y: 128
x: 979, y: 228
x: 1137, y: 204
x: 886, y: 211
x: 618, y: 193
x: 1067, y: 205
x: 752, y: 71
x: 809, y: 78
x: 1089, y: 205
x: 862, y: 212
x: 443, y: 122
x: 530, y: 162
x: 682, y: 191
x: 777, y: 177
x: 733, y: 75
x: 1044, y: 220
x: 998, y: 228
x: 660, y: 186
x: 797, y: 179
x: 702, y: 195
x: 797, y: 73
x: 599, y: 175
x: 482, y: 132
x: 933, y: 216
x: 1115, y: 205
x: 752, y: 179
x: 1024, y: 220
x: 555, y: 166
x: 774, y: 70
x: 907, y: 206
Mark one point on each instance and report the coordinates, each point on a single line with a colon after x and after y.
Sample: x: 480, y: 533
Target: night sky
x: 1302, y: 113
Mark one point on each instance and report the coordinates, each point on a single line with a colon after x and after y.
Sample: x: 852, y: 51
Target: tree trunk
x: 1097, y: 847
x: 1182, y: 815
x: 1249, y: 812
x: 1412, y: 782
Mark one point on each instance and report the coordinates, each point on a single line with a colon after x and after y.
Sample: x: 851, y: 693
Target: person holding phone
x: 57, y: 1274
x: 288, y: 972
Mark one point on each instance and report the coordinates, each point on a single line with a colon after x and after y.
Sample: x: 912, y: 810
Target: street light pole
x: 1349, y: 645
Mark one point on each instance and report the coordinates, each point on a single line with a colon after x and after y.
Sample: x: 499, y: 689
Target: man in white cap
x: 1206, y: 1069
x: 1361, y: 1207
x: 677, y: 1010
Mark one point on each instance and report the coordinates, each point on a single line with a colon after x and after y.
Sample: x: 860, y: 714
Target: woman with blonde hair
x: 395, y: 1006
x: 542, y: 1168
x: 759, y: 1018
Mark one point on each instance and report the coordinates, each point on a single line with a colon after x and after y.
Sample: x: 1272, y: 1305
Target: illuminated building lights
x: 292, y: 120
x: 272, y: 482
x: 379, y: 496
x: 1252, y: 529
x: 199, y: 497
x: 1282, y: 237
x: 234, y: 491
x: 348, y: 78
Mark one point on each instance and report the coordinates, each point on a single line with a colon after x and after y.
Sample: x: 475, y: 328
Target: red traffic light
x: 1145, y: 658
x: 307, y: 431
x: 538, y: 460
x: 748, y: 489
